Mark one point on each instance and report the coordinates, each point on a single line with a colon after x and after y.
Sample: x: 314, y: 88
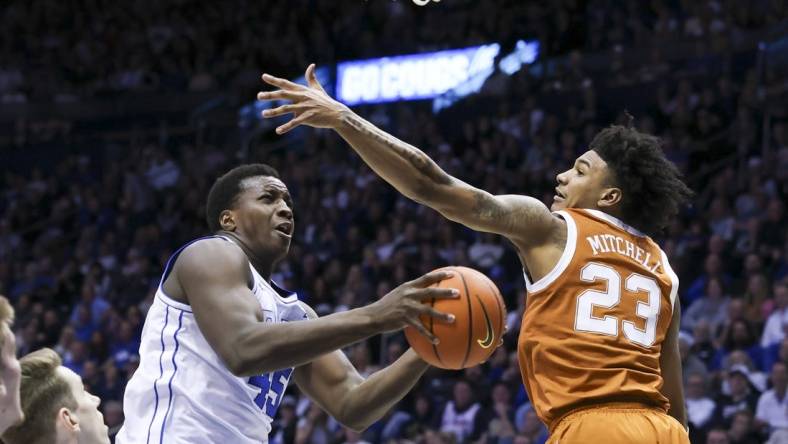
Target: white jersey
x: 183, y: 393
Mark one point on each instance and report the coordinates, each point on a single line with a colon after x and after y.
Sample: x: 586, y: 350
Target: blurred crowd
x: 85, y: 235
x: 93, y: 48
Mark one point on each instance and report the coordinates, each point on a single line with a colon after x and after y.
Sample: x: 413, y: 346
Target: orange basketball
x: 480, y: 317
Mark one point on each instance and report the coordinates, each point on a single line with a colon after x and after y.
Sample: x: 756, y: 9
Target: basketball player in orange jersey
x: 598, y: 347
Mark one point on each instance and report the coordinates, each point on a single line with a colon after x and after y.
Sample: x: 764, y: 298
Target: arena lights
x: 425, y: 76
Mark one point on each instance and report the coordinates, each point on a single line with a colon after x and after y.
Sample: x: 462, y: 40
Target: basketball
x: 480, y: 316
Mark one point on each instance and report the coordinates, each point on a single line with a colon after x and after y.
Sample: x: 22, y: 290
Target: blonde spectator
x: 10, y: 406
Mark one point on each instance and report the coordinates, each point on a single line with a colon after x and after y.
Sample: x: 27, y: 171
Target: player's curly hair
x: 652, y: 187
x: 224, y: 191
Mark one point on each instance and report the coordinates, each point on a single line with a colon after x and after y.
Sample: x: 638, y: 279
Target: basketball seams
x: 470, y: 318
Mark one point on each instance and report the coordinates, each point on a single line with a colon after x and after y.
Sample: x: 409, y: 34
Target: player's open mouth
x: 285, y: 228
x: 558, y: 195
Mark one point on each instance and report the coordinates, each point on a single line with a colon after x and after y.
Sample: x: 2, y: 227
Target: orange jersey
x: 593, y: 327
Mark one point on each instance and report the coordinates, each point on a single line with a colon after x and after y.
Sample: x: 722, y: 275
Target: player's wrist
x: 370, y: 319
x: 414, y: 359
x: 344, y: 117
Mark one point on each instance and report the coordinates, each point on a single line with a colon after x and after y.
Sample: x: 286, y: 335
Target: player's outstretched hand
x: 311, y: 105
x: 403, y: 305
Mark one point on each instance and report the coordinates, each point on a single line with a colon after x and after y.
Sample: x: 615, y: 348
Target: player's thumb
x: 311, y: 77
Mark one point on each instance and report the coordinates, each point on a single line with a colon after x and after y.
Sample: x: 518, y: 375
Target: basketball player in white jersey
x: 221, y: 341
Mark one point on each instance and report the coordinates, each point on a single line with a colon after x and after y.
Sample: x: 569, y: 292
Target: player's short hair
x: 6, y: 316
x: 653, y: 190
x: 225, y: 190
x: 43, y: 392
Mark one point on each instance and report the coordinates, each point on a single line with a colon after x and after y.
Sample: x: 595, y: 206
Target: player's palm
x: 311, y: 105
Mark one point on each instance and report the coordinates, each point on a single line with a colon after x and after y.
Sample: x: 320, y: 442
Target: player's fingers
x: 282, y: 129
x: 282, y: 110
x: 416, y: 323
x: 431, y: 278
x: 429, y: 311
x: 436, y: 293
x: 281, y: 83
x: 280, y: 94
x: 311, y: 78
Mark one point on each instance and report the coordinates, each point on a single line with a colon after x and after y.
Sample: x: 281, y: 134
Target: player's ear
x: 227, y: 220
x: 610, y: 197
x: 67, y: 420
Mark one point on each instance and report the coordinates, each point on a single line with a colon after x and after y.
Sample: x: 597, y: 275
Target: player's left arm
x: 334, y: 384
x: 523, y: 219
x: 670, y: 362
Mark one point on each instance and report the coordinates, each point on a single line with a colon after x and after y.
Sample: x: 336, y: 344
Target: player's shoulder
x: 211, y: 254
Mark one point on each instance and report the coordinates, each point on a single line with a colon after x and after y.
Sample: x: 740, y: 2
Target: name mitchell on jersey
x: 609, y: 243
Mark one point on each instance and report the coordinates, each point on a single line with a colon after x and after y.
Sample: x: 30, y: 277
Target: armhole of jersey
x: 563, y: 261
x: 168, y: 269
x: 674, y: 280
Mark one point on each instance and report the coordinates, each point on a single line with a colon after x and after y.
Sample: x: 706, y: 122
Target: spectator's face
x: 779, y: 376
x: 712, y: 265
x: 740, y: 333
x: 10, y: 375
x: 714, y: 289
x: 263, y: 216
x: 717, y: 437
x: 113, y: 414
x: 695, y: 387
x: 738, y: 383
x: 83, y: 315
x: 126, y: 332
x: 286, y: 413
x: 781, y: 295
x: 701, y: 331
x: 422, y: 406
x: 735, y: 309
x: 738, y: 357
x: 740, y: 425
x: 752, y: 263
x: 394, y: 351
x: 462, y: 394
x: 584, y: 185
x: 775, y: 211
x: 91, y: 422
x: 433, y: 437
x: 532, y: 423
x: 500, y: 394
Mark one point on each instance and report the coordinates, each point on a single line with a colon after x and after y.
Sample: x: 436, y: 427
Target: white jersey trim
x: 674, y: 279
x: 615, y: 221
x: 563, y: 261
x: 172, y: 302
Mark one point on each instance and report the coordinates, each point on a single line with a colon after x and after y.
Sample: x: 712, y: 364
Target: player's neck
x: 611, y: 211
x: 263, y: 267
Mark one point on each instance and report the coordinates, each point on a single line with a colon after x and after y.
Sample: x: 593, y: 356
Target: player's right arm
x: 670, y: 363
x: 214, y: 276
x: 523, y: 219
